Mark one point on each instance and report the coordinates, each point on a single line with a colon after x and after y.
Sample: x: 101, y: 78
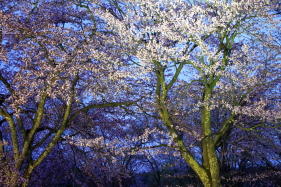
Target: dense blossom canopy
x: 125, y: 87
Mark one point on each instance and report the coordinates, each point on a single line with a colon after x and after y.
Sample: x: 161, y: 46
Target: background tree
x: 56, y: 64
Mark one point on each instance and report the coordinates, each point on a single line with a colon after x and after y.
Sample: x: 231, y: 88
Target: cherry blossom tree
x: 202, y: 48
x: 56, y: 62
x: 115, y: 86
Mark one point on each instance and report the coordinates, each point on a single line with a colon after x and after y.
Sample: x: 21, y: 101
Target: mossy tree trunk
x: 21, y: 157
x: 208, y: 171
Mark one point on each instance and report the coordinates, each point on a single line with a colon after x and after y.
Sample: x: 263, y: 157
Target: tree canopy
x: 111, y: 91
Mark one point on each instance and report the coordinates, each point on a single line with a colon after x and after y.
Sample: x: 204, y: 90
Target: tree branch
x: 36, y: 123
x: 103, y: 105
x: 224, y: 129
x: 6, y: 83
x: 11, y: 123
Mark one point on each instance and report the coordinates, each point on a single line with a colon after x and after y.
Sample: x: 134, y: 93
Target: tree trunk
x: 210, y: 159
